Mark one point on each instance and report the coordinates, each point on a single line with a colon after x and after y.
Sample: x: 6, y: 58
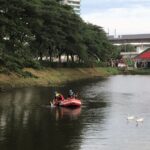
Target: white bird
x: 140, y: 120
x: 51, y: 104
x: 130, y: 118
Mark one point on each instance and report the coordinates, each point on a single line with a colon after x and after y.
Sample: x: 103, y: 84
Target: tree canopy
x: 31, y: 29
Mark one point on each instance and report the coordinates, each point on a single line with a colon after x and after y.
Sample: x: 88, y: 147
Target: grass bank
x: 52, y: 77
x: 138, y: 71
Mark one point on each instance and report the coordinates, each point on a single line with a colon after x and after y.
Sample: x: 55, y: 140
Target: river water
x: 27, y: 122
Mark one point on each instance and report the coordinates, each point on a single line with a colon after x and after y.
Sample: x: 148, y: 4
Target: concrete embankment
x: 52, y: 77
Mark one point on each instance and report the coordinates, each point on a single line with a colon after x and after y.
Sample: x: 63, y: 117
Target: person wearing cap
x: 59, y: 96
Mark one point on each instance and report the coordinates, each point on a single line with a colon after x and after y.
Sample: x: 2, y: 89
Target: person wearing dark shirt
x: 71, y: 94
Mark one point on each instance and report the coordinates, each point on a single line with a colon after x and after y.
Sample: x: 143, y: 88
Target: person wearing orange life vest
x: 59, y: 96
x: 57, y: 99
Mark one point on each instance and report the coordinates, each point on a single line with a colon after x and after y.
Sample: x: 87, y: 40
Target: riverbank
x: 139, y: 71
x: 52, y: 77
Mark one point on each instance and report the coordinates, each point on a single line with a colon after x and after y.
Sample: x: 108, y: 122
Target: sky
x: 118, y: 17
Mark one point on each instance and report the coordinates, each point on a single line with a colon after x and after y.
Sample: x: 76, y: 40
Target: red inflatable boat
x: 70, y: 102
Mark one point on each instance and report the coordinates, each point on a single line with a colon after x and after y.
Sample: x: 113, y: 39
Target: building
x: 75, y: 4
x: 141, y: 42
x: 126, y: 55
x: 142, y: 60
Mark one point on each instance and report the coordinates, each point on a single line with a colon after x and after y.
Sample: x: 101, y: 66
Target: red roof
x: 144, y: 55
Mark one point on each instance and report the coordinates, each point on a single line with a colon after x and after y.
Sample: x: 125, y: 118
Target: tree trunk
x: 50, y: 55
x: 79, y: 60
x: 59, y: 56
x: 41, y: 56
x: 72, y: 58
x: 67, y: 58
x: 50, y: 59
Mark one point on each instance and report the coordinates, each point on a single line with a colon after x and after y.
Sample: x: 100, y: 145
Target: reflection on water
x: 62, y: 112
x: 99, y: 124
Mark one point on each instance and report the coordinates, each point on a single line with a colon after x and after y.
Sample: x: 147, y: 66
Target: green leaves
x: 42, y: 28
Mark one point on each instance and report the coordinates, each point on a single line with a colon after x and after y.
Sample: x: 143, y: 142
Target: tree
x: 38, y: 28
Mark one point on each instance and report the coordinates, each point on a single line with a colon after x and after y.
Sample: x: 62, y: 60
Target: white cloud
x: 131, y: 20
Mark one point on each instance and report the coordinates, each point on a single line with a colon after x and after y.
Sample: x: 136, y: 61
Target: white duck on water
x: 130, y: 118
x: 51, y: 104
x: 139, y: 120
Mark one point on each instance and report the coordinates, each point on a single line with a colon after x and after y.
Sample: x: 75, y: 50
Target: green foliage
x: 12, y: 63
x: 37, y: 28
x: 26, y: 74
x: 126, y: 48
x: 4, y: 70
x: 130, y: 62
x: 66, y: 64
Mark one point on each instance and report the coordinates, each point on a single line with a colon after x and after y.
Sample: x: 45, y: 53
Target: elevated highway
x: 140, y: 41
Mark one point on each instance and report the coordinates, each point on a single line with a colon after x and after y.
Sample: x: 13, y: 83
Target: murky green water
x: 28, y: 123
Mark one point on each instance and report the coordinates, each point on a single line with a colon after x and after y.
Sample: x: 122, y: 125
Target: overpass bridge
x: 140, y: 41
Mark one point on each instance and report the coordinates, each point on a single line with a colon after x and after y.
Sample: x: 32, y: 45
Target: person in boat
x: 58, y: 96
x: 71, y: 94
x: 57, y: 99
